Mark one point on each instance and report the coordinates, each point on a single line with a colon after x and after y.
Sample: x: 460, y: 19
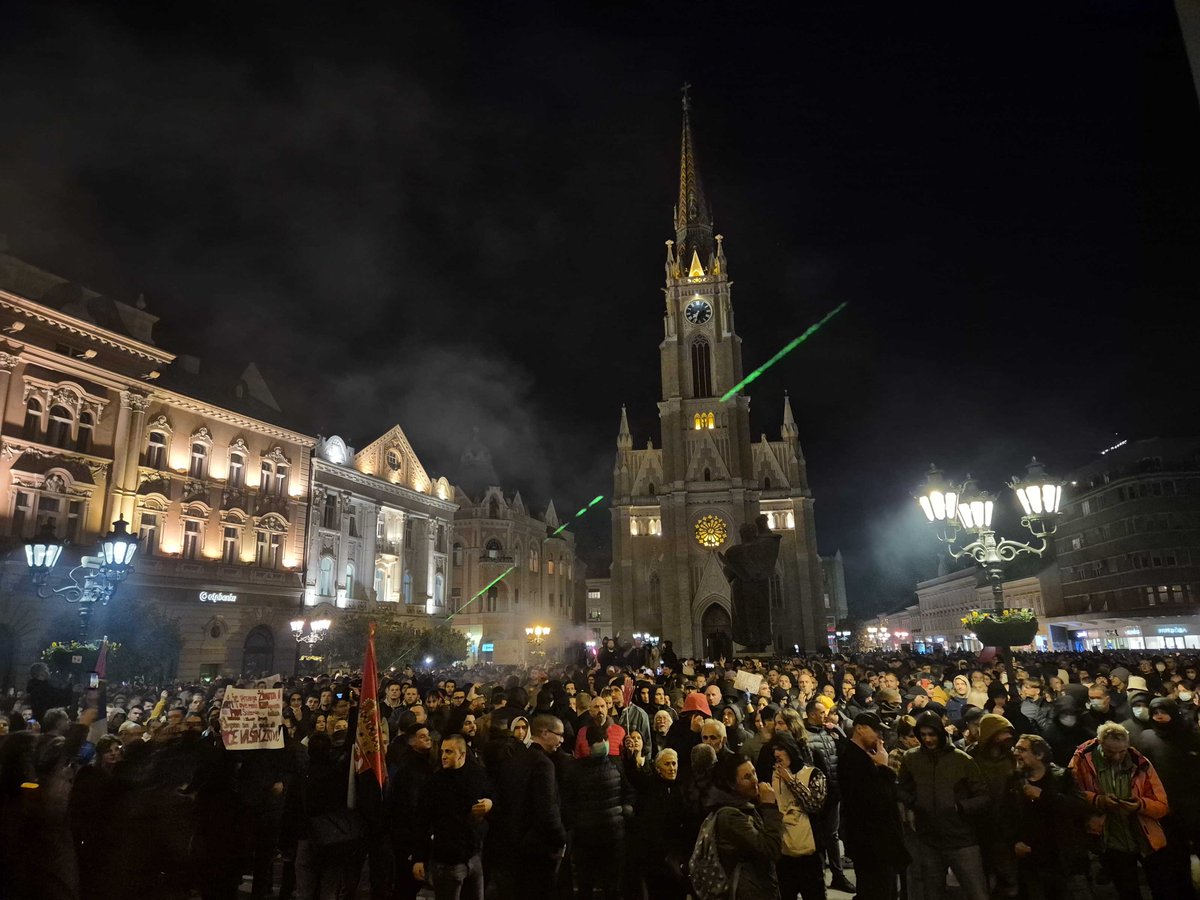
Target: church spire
x: 624, y: 438
x: 789, y: 431
x: 693, y: 222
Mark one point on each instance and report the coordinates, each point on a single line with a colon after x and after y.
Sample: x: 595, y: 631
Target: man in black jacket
x: 824, y: 737
x: 527, y: 829
x: 450, y: 825
x: 870, y: 814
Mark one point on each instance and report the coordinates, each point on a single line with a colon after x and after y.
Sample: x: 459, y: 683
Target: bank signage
x: 217, y: 597
x: 1172, y: 629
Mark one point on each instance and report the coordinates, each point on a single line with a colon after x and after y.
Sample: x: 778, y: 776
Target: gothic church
x: 676, y: 505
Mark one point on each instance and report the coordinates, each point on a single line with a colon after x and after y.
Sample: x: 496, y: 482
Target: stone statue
x: 748, y: 568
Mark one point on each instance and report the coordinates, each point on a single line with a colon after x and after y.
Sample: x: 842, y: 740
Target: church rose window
x: 711, y: 531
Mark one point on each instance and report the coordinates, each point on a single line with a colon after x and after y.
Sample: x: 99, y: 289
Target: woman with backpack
x: 800, y: 791
x: 740, y: 840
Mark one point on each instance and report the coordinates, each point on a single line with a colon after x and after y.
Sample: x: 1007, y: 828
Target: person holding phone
x: 870, y: 823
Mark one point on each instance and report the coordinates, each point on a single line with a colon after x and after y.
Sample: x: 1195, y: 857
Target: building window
x: 457, y: 555
x: 199, y: 466
x: 281, y: 480
x: 148, y: 533
x: 380, y: 583
x: 775, y: 589
x: 156, y: 450
x: 492, y: 595
x: 75, y: 520
x: 22, y: 509
x: 33, y: 419
x: 265, y: 481
x: 593, y: 594
x: 237, y: 471
x: 455, y: 599
x: 655, y: 595
x: 408, y: 590
x: 493, y: 509
x: 353, y: 517
x: 408, y: 533
x: 191, y: 539
x: 229, y: 541
x: 704, y: 420
x: 549, y: 565
x: 58, y: 432
x: 493, y: 549
x: 83, y: 441
x: 349, y: 579
x: 1077, y: 542
x: 324, y: 576
x: 439, y: 589
x: 535, y: 563
x: 701, y: 369
x: 441, y: 539
x: 707, y: 474
x: 329, y: 513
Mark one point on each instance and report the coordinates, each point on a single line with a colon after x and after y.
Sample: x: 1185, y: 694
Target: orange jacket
x: 1147, y: 790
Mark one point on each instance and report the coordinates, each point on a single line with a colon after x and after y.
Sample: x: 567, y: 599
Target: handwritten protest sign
x: 252, y: 719
x: 748, y: 682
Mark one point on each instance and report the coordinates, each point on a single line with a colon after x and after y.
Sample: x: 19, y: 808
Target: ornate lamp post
x: 310, y: 633
x: 94, y: 580
x: 536, y: 635
x: 951, y: 508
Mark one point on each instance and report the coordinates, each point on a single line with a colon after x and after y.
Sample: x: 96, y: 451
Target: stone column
x: 137, y: 405
x: 120, y: 447
x: 422, y: 562
x: 430, y: 565
x: 8, y: 362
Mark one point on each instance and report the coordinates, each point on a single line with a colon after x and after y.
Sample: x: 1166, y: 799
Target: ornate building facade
x: 379, y: 529
x: 90, y: 434
x: 675, y: 506
x: 496, y: 534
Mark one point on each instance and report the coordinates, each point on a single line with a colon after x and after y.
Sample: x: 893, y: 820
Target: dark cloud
x: 450, y: 217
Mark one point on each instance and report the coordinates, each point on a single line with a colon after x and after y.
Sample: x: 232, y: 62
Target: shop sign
x: 217, y: 597
x: 1133, y: 632
x: 1172, y: 629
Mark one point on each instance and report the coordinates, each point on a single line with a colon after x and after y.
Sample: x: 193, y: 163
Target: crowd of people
x: 1054, y: 776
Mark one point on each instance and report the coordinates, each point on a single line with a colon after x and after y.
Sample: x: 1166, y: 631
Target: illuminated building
x: 380, y: 529
x: 1128, y: 550
x: 99, y: 423
x: 494, y: 533
x: 675, y: 505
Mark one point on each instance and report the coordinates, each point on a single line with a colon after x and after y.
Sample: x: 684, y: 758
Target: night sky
x: 450, y: 215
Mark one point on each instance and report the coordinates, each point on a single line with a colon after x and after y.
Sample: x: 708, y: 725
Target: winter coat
x: 597, y: 799
x: 750, y: 839
x: 527, y: 819
x: 657, y: 830
x: 404, y: 785
x: 870, y: 823
x: 1146, y: 786
x: 446, y: 830
x: 616, y: 737
x: 1174, y: 751
x: 824, y: 743
x: 945, y: 789
x: 1051, y: 824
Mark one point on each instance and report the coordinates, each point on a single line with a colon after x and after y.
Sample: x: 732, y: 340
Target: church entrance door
x: 717, y: 628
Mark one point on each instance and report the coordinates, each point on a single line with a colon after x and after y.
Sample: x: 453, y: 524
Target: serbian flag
x: 102, y: 657
x: 370, y: 741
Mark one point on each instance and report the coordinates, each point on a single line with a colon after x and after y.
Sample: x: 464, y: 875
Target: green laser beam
x: 482, y: 591
x: 788, y: 348
x: 562, y: 527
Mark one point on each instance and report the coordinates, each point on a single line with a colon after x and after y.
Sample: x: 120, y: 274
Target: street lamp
x: 971, y: 509
x: 306, y: 632
x: 536, y: 635
x: 94, y: 580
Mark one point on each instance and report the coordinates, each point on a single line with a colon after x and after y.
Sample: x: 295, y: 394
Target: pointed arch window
x: 766, y: 483
x: 535, y: 561
x: 493, y: 549
x: 704, y: 420
x: 708, y: 474
x: 701, y: 368
x: 775, y: 589
x: 349, y: 583
x: 655, y: 596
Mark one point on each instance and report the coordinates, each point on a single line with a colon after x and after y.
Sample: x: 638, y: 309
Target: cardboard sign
x: 252, y: 719
x: 748, y: 682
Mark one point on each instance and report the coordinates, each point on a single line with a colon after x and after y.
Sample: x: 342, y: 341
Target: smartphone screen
x: 93, y: 680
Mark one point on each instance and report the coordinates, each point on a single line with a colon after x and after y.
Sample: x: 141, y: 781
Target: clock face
x: 698, y: 312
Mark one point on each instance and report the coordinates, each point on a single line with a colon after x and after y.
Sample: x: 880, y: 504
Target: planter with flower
x: 1003, y: 628
x: 61, y: 656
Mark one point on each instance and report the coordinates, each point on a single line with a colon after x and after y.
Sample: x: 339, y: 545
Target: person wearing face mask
x: 994, y: 756
x: 1099, y: 707
x: 1067, y: 729
x: 1139, y: 714
x: 597, y: 801
x: 1185, y: 694
x: 1172, y: 744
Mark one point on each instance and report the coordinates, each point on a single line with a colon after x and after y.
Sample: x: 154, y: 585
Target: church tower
x: 674, y: 507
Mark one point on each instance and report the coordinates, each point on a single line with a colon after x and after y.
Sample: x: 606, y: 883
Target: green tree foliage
x: 397, y: 641
x: 150, y: 640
